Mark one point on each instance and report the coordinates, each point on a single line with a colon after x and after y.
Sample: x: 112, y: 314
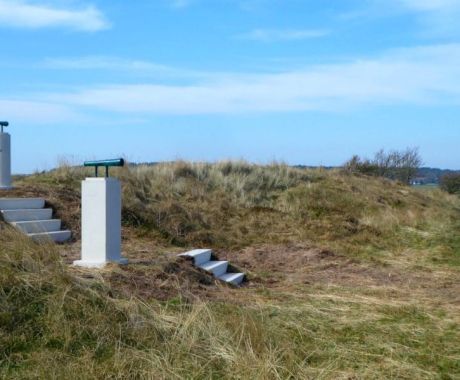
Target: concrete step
x: 232, y: 278
x: 200, y: 256
x: 38, y: 226
x: 26, y: 215
x: 202, y: 259
x: 21, y: 203
x: 217, y: 268
x: 56, y: 236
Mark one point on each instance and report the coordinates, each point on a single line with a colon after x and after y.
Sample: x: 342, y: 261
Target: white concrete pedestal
x: 5, y: 161
x: 100, y: 223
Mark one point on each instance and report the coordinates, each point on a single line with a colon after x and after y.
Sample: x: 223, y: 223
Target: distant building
x: 420, y: 181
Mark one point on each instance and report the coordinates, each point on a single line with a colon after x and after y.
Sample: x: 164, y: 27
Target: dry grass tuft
x: 370, y: 290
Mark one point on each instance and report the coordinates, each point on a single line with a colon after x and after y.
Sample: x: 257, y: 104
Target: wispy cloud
x: 21, y: 14
x: 431, y: 5
x: 102, y: 63
x: 130, y: 67
x: 36, y: 112
x: 436, y: 18
x: 274, y: 35
x: 428, y: 76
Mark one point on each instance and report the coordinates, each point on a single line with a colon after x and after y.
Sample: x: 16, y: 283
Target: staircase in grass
x: 202, y: 259
x: 30, y: 216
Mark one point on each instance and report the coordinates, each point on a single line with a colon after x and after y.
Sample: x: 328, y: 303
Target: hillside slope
x: 348, y: 277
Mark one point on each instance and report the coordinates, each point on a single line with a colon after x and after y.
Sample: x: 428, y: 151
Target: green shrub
x: 451, y: 183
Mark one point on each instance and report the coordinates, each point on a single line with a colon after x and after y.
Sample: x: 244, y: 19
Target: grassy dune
x: 349, y: 277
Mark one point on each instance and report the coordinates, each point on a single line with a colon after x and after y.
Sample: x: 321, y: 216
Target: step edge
x: 196, y: 252
x: 26, y: 209
x: 35, y: 221
x: 234, y: 279
x: 21, y: 199
x: 48, y: 233
x: 232, y: 274
x: 214, y: 263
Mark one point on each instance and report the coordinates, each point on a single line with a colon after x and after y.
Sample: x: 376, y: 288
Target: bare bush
x: 396, y: 165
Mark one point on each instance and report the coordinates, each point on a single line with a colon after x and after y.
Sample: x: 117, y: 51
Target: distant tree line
x: 396, y: 165
x: 432, y: 175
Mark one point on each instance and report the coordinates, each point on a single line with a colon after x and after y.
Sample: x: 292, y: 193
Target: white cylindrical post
x: 5, y: 161
x: 100, y: 222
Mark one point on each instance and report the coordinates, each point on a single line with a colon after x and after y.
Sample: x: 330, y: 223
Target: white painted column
x: 5, y: 161
x: 100, y: 222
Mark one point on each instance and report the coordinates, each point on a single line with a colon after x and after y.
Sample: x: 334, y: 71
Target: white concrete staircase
x: 202, y: 259
x: 30, y: 216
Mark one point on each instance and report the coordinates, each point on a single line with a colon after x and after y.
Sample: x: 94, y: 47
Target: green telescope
x: 106, y: 163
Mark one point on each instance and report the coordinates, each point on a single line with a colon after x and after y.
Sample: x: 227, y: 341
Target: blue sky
x: 301, y: 81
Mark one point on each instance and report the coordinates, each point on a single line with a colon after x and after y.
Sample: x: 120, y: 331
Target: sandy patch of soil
x: 157, y: 273
x: 286, y: 265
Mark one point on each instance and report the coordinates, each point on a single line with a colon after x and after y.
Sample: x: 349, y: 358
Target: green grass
x: 430, y: 186
x: 61, y: 322
x: 55, y: 324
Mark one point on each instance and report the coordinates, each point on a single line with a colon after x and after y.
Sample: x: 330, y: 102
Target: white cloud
x: 103, y: 63
x: 35, y: 112
x: 427, y: 76
x: 130, y: 67
x: 274, y: 35
x: 21, y: 14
